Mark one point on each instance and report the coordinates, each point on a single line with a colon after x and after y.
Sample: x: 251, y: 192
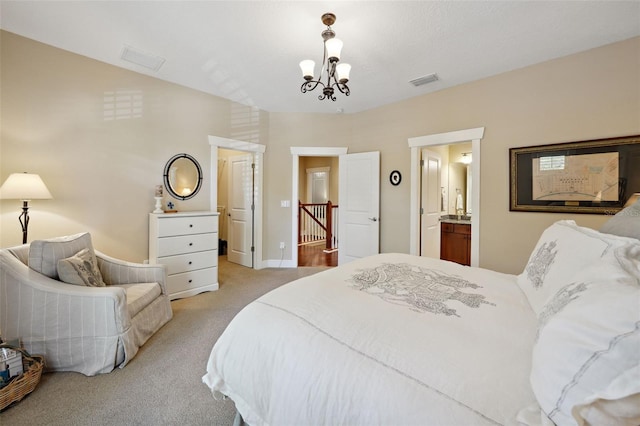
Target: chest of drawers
x: 187, y: 244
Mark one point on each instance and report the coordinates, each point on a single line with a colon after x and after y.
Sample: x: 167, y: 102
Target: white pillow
x: 586, y: 361
x: 81, y: 269
x: 563, y: 250
x: 625, y: 223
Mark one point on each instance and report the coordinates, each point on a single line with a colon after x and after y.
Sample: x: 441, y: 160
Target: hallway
x: 312, y: 255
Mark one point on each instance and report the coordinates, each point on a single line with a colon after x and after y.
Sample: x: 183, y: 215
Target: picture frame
x: 594, y: 176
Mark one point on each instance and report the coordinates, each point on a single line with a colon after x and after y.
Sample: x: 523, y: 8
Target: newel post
x: 329, y: 226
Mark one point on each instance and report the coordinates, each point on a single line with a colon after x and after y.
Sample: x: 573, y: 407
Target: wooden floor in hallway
x: 313, y: 255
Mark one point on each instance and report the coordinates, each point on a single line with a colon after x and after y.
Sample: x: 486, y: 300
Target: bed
x: 395, y: 339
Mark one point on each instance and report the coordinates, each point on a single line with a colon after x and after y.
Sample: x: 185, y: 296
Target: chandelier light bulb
x: 343, y: 71
x: 307, y: 66
x: 334, y: 47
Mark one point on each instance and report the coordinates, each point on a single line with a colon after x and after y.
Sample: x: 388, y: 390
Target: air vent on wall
x: 135, y: 56
x: 430, y: 78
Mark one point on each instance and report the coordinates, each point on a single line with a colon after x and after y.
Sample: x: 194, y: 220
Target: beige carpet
x: 162, y: 384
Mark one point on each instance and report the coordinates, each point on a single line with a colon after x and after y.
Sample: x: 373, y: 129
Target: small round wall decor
x: 395, y: 178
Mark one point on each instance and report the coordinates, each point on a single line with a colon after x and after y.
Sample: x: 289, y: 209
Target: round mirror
x: 182, y: 176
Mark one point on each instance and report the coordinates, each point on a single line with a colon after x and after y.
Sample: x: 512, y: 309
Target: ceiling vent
x: 420, y: 81
x: 135, y: 56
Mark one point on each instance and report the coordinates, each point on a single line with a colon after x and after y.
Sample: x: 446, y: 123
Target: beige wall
x: 288, y: 130
x: 590, y: 95
x: 102, y: 173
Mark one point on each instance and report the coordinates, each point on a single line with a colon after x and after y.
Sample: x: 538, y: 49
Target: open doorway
x: 303, y: 159
x: 236, y: 202
x: 359, y: 201
x: 416, y: 144
x: 318, y: 211
x: 251, y: 177
x: 445, y: 198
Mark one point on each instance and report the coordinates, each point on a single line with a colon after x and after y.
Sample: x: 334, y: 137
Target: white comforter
x: 390, y: 339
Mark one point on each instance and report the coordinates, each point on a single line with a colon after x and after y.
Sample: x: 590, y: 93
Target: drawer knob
x: 190, y: 226
x: 190, y: 281
x: 190, y: 244
x: 190, y: 262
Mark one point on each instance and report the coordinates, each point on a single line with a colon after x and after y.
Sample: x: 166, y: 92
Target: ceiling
x: 248, y: 51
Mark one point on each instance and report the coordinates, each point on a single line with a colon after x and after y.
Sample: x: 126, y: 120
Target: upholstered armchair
x: 79, y: 327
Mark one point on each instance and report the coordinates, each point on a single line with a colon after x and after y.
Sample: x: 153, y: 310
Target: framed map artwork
x: 596, y: 176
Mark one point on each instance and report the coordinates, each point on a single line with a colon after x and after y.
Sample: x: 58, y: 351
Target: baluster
x: 315, y: 224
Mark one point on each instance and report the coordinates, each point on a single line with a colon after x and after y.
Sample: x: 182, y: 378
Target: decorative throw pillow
x: 564, y: 249
x: 44, y: 254
x: 80, y: 269
x: 625, y: 223
x: 586, y: 362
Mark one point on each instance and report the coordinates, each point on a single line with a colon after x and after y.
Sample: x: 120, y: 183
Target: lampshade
x: 334, y: 46
x: 24, y: 186
x: 307, y: 67
x: 343, y: 71
x: 466, y: 158
x: 634, y: 197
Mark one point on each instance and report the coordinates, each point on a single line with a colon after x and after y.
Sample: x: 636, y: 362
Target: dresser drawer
x: 458, y: 228
x: 192, y: 279
x: 190, y: 262
x: 446, y: 227
x: 171, y: 226
x: 170, y: 246
x: 462, y: 229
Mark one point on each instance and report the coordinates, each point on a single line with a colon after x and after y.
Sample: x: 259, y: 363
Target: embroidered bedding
x: 395, y: 339
x: 390, y: 339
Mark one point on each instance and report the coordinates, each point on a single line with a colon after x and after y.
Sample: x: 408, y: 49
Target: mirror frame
x: 167, y: 184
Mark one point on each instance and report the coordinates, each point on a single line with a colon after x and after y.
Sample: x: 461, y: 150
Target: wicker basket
x: 24, y: 384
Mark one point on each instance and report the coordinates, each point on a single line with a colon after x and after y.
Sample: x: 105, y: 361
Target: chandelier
x: 337, y: 75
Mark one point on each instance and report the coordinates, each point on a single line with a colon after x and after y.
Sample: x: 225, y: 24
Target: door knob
x: 373, y: 219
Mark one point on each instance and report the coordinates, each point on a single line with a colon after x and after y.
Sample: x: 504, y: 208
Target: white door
x: 430, y: 205
x: 359, y: 204
x: 239, y: 225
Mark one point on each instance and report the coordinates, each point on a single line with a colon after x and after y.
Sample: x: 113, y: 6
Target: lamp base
x: 24, y: 220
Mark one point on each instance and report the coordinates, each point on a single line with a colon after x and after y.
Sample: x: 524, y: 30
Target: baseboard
x: 277, y: 263
x: 193, y: 291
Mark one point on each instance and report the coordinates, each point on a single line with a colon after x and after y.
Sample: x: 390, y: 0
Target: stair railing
x: 318, y: 222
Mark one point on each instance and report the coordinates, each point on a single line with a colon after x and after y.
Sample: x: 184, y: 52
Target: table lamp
x: 25, y: 187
